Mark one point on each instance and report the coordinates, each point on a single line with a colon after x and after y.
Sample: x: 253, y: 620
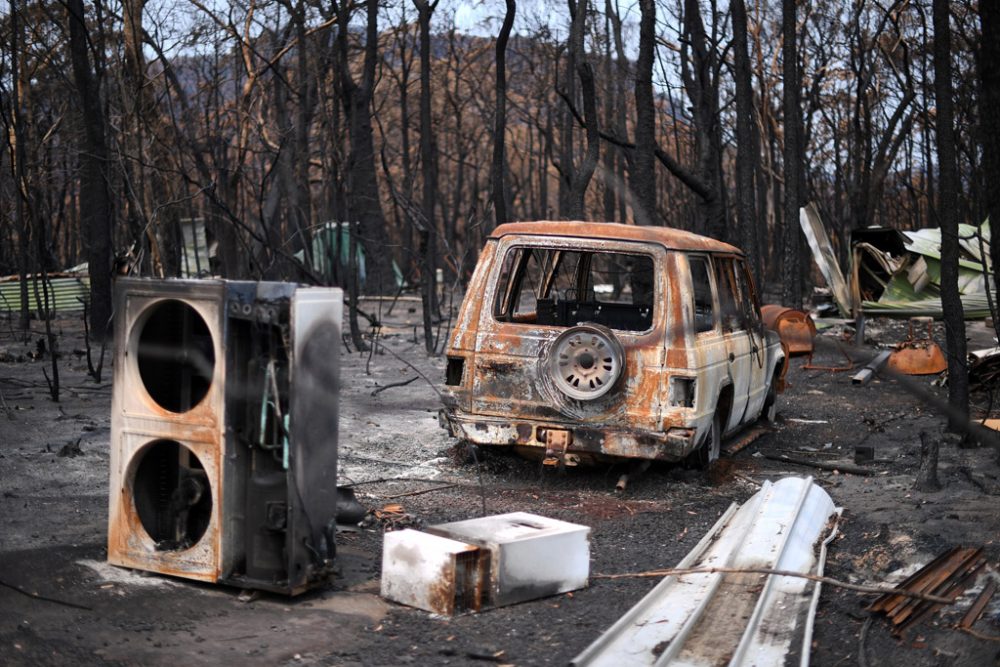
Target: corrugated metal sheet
x: 68, y: 294
x: 741, y: 616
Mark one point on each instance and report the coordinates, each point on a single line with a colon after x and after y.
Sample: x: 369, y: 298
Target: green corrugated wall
x: 66, y: 294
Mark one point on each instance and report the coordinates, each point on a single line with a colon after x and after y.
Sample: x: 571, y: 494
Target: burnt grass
x: 59, y: 604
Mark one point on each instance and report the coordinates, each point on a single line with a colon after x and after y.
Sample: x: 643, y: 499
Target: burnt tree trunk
x: 791, y: 278
x: 428, y: 166
x: 18, y: 158
x: 951, y: 302
x: 497, y: 173
x: 643, y: 179
x: 746, y: 148
x: 583, y: 174
x: 699, y: 61
x: 989, y: 101
x: 927, y: 474
x: 364, y: 203
x: 95, y: 199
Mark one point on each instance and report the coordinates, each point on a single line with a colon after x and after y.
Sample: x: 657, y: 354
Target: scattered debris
x: 897, y: 273
x: 947, y: 576
x: 865, y: 375
x: 468, y: 566
x: 984, y: 369
x: 743, y: 614
x: 393, y: 517
x: 71, y: 449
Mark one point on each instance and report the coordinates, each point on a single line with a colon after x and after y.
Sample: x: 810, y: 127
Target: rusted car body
x: 595, y: 341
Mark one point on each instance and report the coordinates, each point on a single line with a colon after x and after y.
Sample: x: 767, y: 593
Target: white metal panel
x: 532, y: 556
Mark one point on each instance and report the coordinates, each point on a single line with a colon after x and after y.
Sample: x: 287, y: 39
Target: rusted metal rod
x: 873, y: 590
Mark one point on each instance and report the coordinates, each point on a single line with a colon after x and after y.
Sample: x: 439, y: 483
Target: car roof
x: 668, y: 237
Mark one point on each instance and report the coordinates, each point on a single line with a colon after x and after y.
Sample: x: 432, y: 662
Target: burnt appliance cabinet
x: 224, y: 431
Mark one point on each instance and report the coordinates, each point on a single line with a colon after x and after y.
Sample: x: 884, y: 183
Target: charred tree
x: 746, y: 146
x: 791, y: 278
x: 699, y: 70
x: 498, y: 165
x: 18, y: 160
x: 95, y: 198
x: 989, y: 100
x: 364, y: 202
x: 429, y: 170
x: 582, y: 174
x: 643, y: 179
x: 951, y: 302
x: 927, y: 474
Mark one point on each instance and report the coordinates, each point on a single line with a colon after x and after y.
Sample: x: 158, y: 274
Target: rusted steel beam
x: 976, y: 610
x: 865, y: 375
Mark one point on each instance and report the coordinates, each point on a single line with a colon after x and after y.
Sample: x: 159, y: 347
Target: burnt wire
x: 36, y: 596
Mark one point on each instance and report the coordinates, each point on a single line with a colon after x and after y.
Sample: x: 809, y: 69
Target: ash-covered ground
x: 79, y: 610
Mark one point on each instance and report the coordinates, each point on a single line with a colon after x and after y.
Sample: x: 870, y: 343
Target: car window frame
x: 503, y: 295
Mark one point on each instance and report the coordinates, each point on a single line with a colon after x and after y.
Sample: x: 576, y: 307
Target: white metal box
x: 531, y: 556
x: 433, y: 573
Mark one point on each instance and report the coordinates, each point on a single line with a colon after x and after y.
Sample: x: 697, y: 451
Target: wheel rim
x: 585, y: 362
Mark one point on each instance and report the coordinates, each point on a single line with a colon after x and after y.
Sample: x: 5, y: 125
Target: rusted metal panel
x: 918, y: 354
x: 795, y: 328
x: 140, y: 422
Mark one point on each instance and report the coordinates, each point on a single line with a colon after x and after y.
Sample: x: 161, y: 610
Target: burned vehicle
x: 598, y: 341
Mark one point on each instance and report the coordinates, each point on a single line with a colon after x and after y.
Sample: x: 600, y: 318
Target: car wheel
x: 586, y: 361
x: 770, y: 411
x: 711, y: 446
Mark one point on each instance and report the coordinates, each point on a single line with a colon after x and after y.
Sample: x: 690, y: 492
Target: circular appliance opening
x: 176, y: 356
x: 172, y: 495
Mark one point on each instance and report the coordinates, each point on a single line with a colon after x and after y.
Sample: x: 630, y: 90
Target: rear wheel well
x: 724, y: 405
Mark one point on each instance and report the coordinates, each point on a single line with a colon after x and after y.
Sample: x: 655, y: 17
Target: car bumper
x: 567, y: 441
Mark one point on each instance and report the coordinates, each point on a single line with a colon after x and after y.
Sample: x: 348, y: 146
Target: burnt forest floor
x: 61, y: 604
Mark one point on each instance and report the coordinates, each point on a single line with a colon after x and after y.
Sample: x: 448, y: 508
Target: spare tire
x: 586, y: 361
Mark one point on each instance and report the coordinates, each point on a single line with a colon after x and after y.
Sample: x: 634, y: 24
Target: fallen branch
x: 978, y: 635
x: 873, y: 590
x: 413, y: 368
x: 394, y: 384
x: 421, y: 491
x: 822, y: 465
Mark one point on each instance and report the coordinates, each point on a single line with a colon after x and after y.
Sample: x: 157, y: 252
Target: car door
x: 735, y: 335
x: 754, y: 327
